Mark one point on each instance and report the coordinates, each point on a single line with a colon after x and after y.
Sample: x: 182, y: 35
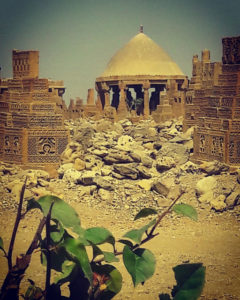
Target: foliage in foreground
x: 76, y: 255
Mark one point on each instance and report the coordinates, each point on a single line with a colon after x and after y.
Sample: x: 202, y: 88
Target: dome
x: 141, y: 56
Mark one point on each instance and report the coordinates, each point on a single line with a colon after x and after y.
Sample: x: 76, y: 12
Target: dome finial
x: 141, y: 29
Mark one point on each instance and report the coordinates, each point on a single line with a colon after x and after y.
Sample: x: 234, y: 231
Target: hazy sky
x: 77, y: 38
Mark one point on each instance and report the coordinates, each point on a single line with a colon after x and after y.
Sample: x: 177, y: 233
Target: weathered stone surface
x: 120, y: 157
x: 127, y: 170
x: 176, y: 151
x: 63, y: 168
x: 160, y: 188
x: 144, y: 172
x: 87, y: 190
x: 146, y: 161
x: 103, y: 183
x: 205, y: 185
x: 218, y: 203
x: 164, y: 163
x: 233, y: 199
x: 72, y: 176
x: 146, y: 184
x: 88, y: 177
x: 214, y: 167
x: 79, y: 164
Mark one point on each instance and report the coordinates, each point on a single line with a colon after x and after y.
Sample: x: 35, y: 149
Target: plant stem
x: 48, y: 253
x: 151, y: 234
x: 15, y: 228
x: 10, y: 287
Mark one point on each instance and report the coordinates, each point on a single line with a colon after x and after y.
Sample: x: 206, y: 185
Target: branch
x: 10, y: 287
x: 151, y: 234
x: 48, y: 253
x: 15, y: 228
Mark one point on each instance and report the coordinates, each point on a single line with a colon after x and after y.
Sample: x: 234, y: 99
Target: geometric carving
x: 216, y: 106
x: 31, y: 128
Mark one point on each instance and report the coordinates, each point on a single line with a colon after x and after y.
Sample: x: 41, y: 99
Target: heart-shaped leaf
x: 76, y: 249
x: 136, y: 234
x: 139, y: 263
x: 186, y: 210
x: 145, y: 212
x: 190, y: 281
x: 99, y: 235
x: 110, y: 257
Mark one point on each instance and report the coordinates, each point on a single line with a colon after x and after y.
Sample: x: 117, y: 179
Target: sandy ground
x: 214, y: 240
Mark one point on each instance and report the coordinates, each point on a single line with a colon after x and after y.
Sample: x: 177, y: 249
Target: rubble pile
x: 126, y: 166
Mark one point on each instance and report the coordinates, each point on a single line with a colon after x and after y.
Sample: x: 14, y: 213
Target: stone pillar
x: 90, y: 97
x: 99, y: 103
x: 146, y: 87
x: 122, y: 107
x: 107, y: 98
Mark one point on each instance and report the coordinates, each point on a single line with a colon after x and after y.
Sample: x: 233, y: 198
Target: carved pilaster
x: 146, y: 86
x: 122, y: 107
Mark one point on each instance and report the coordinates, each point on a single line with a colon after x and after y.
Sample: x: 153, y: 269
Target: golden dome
x: 141, y: 56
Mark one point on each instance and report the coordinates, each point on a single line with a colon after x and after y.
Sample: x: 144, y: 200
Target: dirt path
x: 214, y: 240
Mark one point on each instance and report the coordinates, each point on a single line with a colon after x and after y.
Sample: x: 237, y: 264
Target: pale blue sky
x: 77, y: 38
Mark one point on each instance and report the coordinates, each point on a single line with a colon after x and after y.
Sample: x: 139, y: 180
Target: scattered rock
x: 165, y: 163
x: 160, y: 188
x: 213, y: 167
x: 126, y: 170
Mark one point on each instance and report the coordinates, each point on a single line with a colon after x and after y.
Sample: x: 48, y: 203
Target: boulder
x: 117, y: 157
x: 205, y: 185
x: 105, y: 171
x: 103, y: 183
x: 88, y: 177
x: 165, y: 163
x: 207, y: 197
x: 213, y: 168
x: 72, y: 176
x: 79, y: 164
x: 146, y: 161
x: 146, y: 184
x: 144, y: 172
x: 233, y: 199
x: 176, y: 151
x: 160, y: 188
x: 218, y: 203
x: 63, y: 168
x: 126, y: 170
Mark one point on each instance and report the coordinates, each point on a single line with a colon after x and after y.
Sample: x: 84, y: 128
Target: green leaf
x: 67, y: 268
x: 75, y: 248
x: 56, y: 232
x: 126, y: 242
x: 110, y: 257
x: 32, y: 204
x: 186, y: 210
x: 96, y: 251
x: 190, y: 281
x: 136, y: 234
x: 139, y: 263
x: 145, y: 212
x: 61, y: 211
x: 98, y: 235
x: 114, y: 283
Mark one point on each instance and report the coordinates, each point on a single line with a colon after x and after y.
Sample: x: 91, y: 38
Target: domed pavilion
x: 142, y: 77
